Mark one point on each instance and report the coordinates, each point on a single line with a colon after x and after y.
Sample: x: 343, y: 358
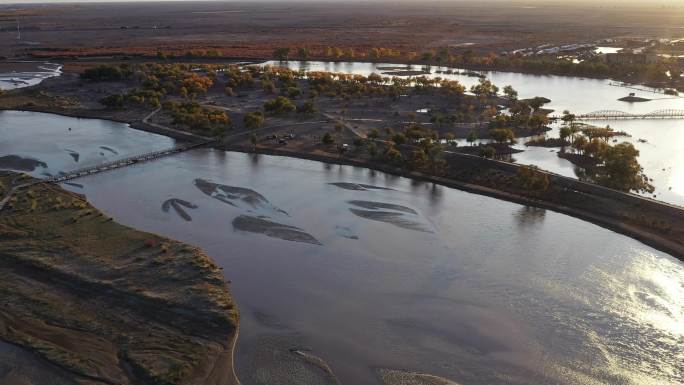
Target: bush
x: 279, y: 105
x: 532, y: 179
x: 113, y: 101
x: 374, y: 134
x: 254, y: 120
x: 293, y: 92
x: 306, y: 108
x: 392, y: 155
x: 487, y: 152
x: 502, y: 135
x: 328, y: 138
x: 106, y: 73
x: 197, y: 117
x: 399, y: 138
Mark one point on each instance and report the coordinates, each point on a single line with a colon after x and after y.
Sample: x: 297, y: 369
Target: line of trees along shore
x: 537, y: 64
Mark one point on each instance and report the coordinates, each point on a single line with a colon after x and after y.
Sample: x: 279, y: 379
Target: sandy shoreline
x: 102, y: 312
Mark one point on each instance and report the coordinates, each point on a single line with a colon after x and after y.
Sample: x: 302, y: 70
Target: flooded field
x: 346, y: 275
x: 659, y: 141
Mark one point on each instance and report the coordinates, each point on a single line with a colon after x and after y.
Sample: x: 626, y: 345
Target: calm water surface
x: 411, y: 276
x: 661, y: 155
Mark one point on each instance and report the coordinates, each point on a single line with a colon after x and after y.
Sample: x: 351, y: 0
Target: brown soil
x: 105, y: 303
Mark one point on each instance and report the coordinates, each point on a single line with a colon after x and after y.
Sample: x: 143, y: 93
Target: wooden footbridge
x: 621, y: 115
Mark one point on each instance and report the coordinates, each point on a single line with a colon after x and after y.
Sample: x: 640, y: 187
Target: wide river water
x: 662, y: 153
x: 367, y: 270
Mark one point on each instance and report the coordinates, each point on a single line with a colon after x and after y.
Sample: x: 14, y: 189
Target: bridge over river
x: 103, y: 167
x: 621, y: 115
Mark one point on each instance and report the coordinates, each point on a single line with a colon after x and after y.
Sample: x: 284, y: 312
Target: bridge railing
x: 118, y: 163
x: 614, y: 114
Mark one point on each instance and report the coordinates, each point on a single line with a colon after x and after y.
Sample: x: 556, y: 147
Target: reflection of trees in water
x: 528, y: 215
x: 436, y: 192
x: 254, y: 158
x: 506, y: 158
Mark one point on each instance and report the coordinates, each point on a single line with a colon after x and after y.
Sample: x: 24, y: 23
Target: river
x: 367, y: 270
x: 26, y: 73
x: 662, y: 140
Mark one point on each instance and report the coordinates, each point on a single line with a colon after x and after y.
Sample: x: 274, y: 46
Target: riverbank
x: 106, y: 304
x: 77, y: 64
x: 657, y: 224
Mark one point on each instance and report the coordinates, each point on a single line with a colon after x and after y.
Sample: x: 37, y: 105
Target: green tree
x: 282, y: 53
x: 472, y: 137
x: 254, y: 120
x: 488, y: 152
x: 279, y: 105
x: 307, y: 107
x: 418, y: 159
x: 579, y: 144
x: 502, y: 135
x: 303, y: 54
x: 113, y: 101
x: 532, y: 179
x: 392, y: 155
x: 374, y: 134
x: 293, y: 92
x: 372, y: 149
x: 622, y: 171
x: 328, y: 138
x: 106, y: 72
x: 510, y: 92
x: 538, y: 121
x: 568, y: 118
x: 537, y: 102
x: 399, y: 138
x: 484, y: 89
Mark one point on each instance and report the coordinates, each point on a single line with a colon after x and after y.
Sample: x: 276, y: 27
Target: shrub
x: 254, y: 120
x: 113, y: 101
x: 487, y: 152
x: 306, y: 108
x: 106, y: 73
x: 328, y: 138
x: 532, y: 179
x: 279, y: 105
